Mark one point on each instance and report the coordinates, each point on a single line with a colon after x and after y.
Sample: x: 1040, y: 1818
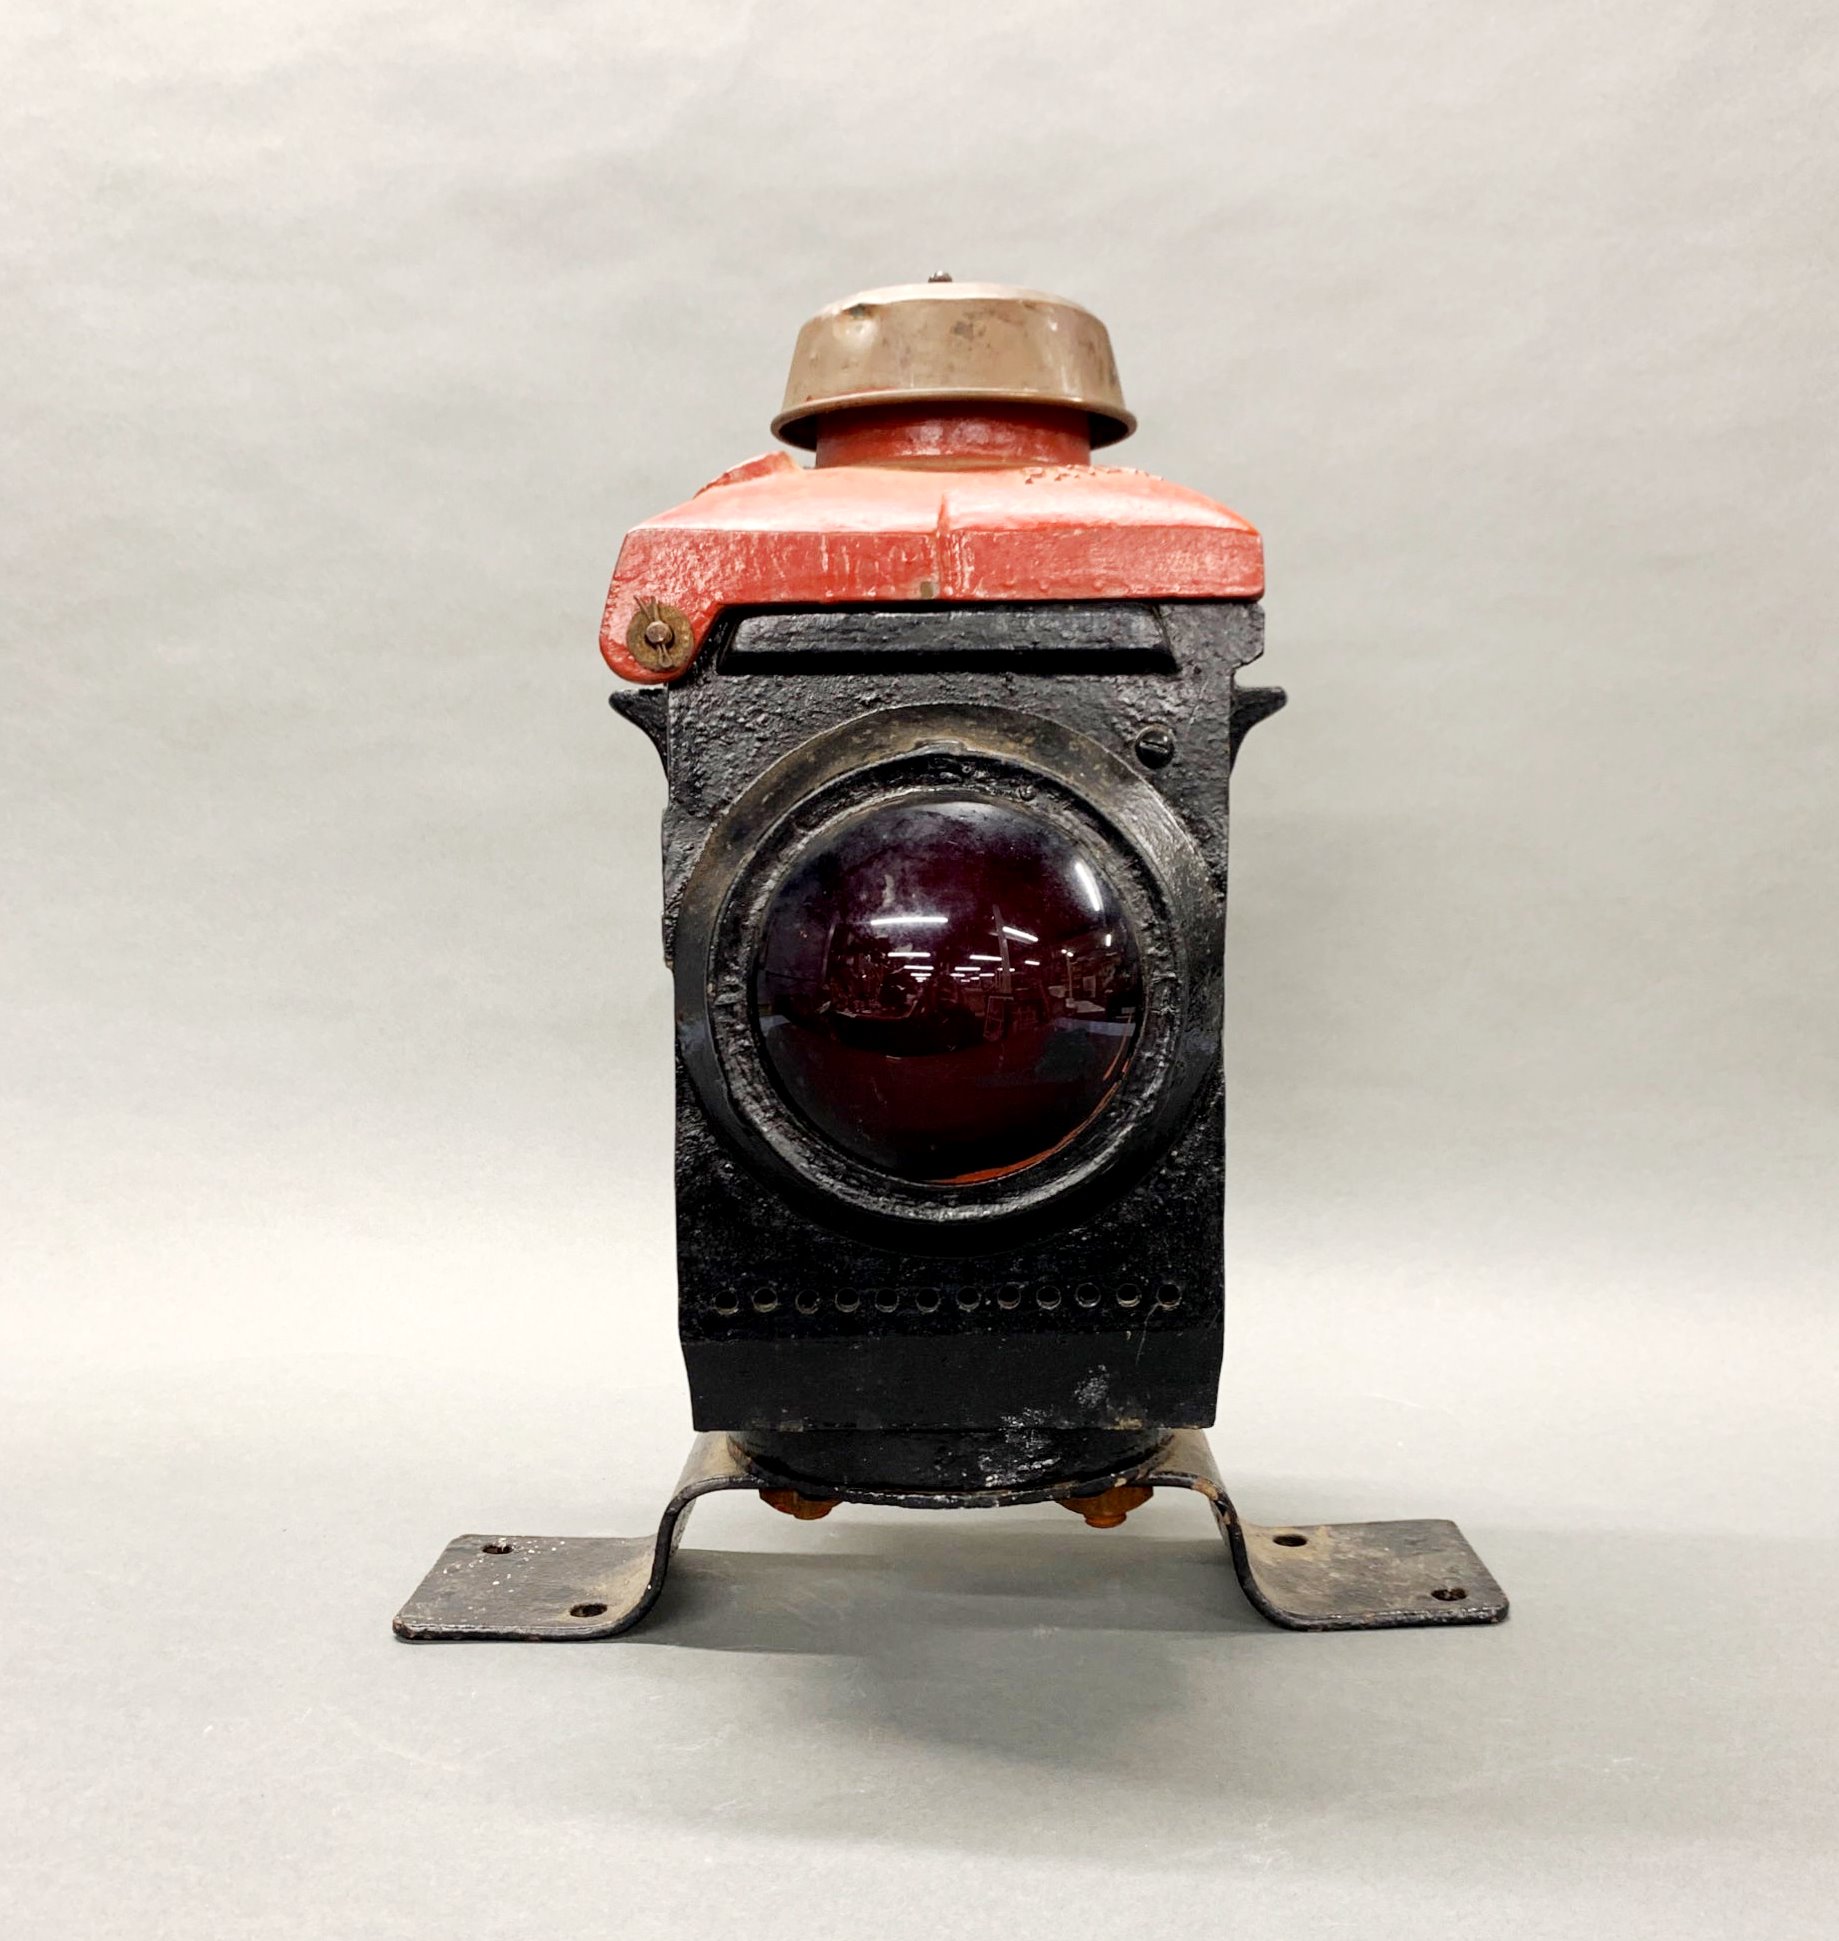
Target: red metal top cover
x: 772, y: 533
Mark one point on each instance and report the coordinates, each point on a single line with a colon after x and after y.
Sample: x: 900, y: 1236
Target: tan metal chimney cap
x: 957, y: 342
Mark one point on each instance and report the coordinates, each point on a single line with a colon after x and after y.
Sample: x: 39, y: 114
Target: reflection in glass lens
x: 948, y: 989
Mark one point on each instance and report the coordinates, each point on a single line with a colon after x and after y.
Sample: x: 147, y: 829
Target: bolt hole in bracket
x: 1320, y: 1577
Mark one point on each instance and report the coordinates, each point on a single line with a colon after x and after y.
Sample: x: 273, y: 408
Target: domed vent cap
x: 955, y: 343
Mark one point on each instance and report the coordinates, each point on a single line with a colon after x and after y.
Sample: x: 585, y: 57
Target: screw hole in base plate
x: 587, y: 1610
x: 1450, y: 1594
x: 1290, y: 1540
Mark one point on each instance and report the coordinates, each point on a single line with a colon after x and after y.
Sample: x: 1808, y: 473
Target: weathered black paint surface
x: 1100, y: 1310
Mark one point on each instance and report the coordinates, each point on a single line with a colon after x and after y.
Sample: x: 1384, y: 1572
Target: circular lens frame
x: 943, y: 753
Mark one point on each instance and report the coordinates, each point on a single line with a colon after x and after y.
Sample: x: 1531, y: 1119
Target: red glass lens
x: 949, y: 990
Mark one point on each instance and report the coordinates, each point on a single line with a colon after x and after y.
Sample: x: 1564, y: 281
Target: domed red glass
x: 948, y: 989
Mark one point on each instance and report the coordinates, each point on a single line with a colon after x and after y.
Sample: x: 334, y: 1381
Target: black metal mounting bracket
x: 1306, y: 1577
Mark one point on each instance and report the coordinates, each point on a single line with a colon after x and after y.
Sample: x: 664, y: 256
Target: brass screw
x: 659, y: 636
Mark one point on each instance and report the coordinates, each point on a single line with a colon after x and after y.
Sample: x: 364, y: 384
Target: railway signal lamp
x: 948, y: 719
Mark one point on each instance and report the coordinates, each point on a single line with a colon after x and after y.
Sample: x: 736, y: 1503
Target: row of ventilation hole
x: 928, y: 1300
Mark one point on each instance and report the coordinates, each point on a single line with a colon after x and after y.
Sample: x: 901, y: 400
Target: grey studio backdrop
x: 341, y: 343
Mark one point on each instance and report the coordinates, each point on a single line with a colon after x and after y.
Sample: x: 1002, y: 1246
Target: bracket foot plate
x: 1306, y: 1577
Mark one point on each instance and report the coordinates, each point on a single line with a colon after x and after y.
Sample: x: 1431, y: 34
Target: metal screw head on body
x: 1155, y: 748
x: 659, y: 636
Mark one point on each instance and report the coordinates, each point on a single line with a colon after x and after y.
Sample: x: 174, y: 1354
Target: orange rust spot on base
x: 807, y: 1509
x: 1105, y: 1509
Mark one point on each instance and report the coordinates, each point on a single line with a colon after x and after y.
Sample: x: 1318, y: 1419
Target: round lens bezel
x: 948, y: 753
